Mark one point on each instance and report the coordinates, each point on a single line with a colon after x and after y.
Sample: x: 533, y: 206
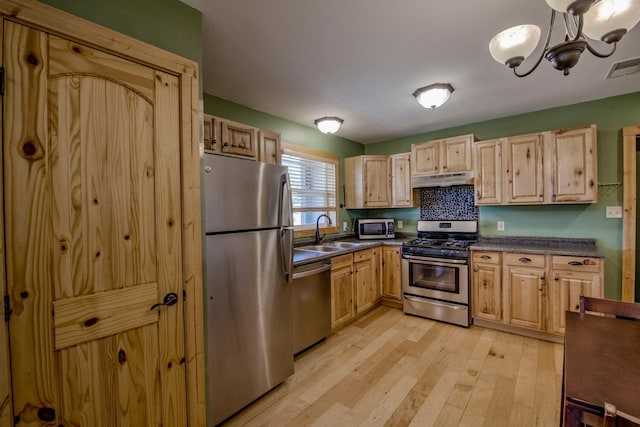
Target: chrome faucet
x: 318, y: 237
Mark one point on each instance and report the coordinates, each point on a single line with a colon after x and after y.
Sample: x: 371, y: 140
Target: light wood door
x: 564, y: 295
x: 486, y: 291
x: 376, y: 261
x: 523, y: 166
x: 488, y: 172
x: 6, y: 406
x: 401, y: 192
x: 523, y: 297
x: 211, y: 134
x: 342, y: 307
x: 455, y: 154
x: 425, y: 158
x: 391, y: 272
x: 91, y: 181
x: 238, y: 139
x: 363, y: 285
x: 574, y: 166
x: 270, y: 151
x: 377, y: 181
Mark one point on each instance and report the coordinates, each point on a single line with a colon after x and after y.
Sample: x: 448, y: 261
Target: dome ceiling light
x: 329, y: 124
x: 434, y: 95
x: 584, y: 21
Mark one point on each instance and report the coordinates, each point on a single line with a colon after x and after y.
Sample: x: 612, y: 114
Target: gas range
x: 443, y: 239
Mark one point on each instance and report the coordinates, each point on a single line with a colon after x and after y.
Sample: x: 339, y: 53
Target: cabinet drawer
x: 487, y: 257
x: 341, y: 261
x: 362, y: 255
x: 529, y: 260
x: 576, y: 263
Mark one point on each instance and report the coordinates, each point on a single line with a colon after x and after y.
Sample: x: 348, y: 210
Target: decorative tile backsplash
x: 450, y: 203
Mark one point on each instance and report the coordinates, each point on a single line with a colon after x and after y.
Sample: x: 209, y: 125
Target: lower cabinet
x: 355, y: 284
x: 530, y: 293
x: 391, y: 284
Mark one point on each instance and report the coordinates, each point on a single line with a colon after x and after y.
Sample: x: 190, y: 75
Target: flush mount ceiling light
x: 329, y: 124
x: 433, y: 96
x: 584, y: 21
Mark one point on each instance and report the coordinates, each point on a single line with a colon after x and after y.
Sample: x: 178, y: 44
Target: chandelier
x: 584, y: 21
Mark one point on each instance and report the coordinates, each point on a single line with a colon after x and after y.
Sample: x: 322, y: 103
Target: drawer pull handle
x: 523, y: 259
x: 575, y: 263
x: 485, y: 257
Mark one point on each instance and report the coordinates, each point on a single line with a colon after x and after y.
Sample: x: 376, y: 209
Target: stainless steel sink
x: 320, y: 248
x: 345, y: 245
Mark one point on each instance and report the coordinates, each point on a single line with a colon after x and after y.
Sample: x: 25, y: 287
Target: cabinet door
x: 209, y: 134
x: 239, y: 139
x: 488, y: 172
x: 376, y: 260
x: 523, y: 296
x: 425, y: 158
x: 342, y: 307
x: 564, y: 294
x: 574, y: 166
x: 363, y: 285
x: 401, y: 191
x: 377, y: 181
x: 391, y: 272
x: 522, y: 157
x: 270, y: 151
x: 486, y: 295
x: 455, y: 154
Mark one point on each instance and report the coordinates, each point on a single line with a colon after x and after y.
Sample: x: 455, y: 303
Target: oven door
x: 436, y: 278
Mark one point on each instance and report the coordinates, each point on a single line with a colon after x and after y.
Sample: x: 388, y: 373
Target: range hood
x: 442, y: 180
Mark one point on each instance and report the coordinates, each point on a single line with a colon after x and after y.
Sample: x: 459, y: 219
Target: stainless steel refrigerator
x: 249, y: 250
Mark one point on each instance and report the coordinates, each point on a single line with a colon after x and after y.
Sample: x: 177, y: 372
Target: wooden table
x: 601, y: 364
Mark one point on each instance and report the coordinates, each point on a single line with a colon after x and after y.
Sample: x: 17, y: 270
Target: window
x: 314, y: 188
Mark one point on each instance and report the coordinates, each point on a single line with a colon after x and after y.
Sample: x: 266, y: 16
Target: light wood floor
x: 390, y: 369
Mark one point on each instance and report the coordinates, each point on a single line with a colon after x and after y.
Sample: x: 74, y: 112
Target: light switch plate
x: 400, y: 223
x: 614, y: 211
x: 345, y: 226
x: 500, y: 225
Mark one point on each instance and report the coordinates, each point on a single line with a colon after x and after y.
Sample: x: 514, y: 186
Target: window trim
x: 321, y: 156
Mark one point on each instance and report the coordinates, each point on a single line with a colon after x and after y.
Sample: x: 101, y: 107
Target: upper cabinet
x: 367, y: 182
x: 270, y: 147
x: 442, y: 156
x: 541, y: 168
x: 574, y: 166
x: 401, y: 192
x: 222, y: 136
x: 378, y: 182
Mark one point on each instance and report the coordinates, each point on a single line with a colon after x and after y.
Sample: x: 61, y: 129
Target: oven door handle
x: 436, y: 303
x: 434, y: 261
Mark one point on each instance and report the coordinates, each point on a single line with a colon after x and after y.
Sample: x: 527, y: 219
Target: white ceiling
x: 361, y: 60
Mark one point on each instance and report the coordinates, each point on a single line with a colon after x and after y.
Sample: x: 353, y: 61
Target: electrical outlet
x: 400, y: 224
x: 345, y: 226
x: 614, y: 212
x: 500, y: 225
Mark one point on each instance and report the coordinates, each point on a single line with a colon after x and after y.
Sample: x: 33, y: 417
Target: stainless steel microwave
x: 375, y: 228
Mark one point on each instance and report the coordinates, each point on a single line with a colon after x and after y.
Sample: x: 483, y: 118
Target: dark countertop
x: 301, y: 257
x: 569, y: 246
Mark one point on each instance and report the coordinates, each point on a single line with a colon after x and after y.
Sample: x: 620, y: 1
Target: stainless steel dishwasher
x: 311, y: 304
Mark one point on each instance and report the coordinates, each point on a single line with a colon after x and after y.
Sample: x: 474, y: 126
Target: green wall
x: 610, y: 115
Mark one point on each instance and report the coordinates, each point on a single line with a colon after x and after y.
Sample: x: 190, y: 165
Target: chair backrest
x: 608, y: 306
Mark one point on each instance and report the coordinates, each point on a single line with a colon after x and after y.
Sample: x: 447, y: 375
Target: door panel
x: 93, y: 236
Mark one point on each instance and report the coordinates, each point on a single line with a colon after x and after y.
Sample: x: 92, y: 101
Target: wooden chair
x: 627, y: 310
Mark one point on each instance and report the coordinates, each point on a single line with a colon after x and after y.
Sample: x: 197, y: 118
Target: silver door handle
x: 303, y: 274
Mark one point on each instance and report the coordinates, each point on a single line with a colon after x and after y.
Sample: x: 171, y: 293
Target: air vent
x: 624, y: 68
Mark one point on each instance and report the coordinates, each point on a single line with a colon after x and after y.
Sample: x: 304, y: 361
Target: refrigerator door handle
x: 286, y: 227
